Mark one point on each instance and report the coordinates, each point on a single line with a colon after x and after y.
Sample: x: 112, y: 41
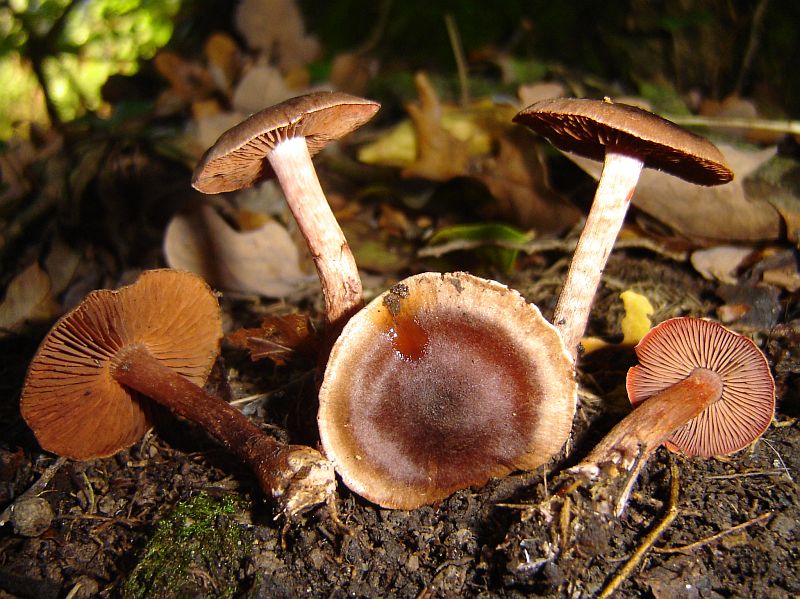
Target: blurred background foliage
x: 55, y: 55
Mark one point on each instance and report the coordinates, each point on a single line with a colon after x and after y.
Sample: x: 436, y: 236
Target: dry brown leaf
x: 62, y: 264
x: 531, y: 93
x: 263, y: 261
x: 29, y: 298
x: 351, y: 72
x: 720, y: 263
x: 278, y: 338
x: 208, y: 127
x: 188, y: 80
x: 276, y: 28
x: 516, y: 177
x: 259, y: 87
x: 224, y: 60
x: 440, y: 155
x: 725, y: 212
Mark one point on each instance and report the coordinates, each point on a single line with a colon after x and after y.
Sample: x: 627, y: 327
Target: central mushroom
x: 440, y: 383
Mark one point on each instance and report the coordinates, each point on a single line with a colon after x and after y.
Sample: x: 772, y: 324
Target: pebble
x: 31, y: 516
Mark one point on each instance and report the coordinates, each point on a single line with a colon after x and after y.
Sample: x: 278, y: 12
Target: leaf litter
x: 736, y: 517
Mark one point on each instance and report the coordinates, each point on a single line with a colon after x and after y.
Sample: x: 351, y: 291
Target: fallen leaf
x: 724, y: 212
x: 263, y: 261
x: 276, y: 28
x: 443, y: 142
x: 777, y: 181
x: 188, y: 80
x: 224, y: 60
x: 517, y: 179
x: 786, y: 277
x: 485, y: 240
x: 259, y: 87
x: 206, y: 129
x: 61, y: 265
x: 278, y: 338
x: 720, y: 263
x: 636, y: 322
x: 440, y: 155
x: 634, y: 325
x: 531, y: 93
x: 29, y: 298
x: 752, y: 306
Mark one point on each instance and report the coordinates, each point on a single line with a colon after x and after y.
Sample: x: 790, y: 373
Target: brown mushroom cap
x: 70, y: 399
x: 675, y: 348
x: 238, y: 158
x: 587, y: 127
x: 441, y: 383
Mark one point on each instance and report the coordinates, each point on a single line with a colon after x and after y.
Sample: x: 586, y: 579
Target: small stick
x: 546, y: 245
x: 779, y: 126
x: 458, y: 52
x: 703, y: 542
x: 650, y: 539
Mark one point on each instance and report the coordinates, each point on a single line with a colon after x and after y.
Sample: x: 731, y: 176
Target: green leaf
x: 487, y: 240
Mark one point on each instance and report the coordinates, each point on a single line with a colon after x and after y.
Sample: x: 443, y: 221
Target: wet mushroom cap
x: 441, y: 383
x: 239, y: 157
x: 70, y: 399
x: 588, y: 127
x: 675, y: 348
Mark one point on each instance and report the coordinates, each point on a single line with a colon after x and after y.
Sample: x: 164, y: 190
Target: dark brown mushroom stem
x: 338, y: 273
x: 85, y: 393
x: 295, y: 476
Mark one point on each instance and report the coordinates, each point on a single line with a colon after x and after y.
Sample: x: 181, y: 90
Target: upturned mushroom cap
x: 238, y: 158
x: 70, y: 399
x: 673, y: 349
x: 588, y: 127
x: 441, y: 383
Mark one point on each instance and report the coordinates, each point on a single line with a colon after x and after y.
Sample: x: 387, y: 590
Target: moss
x: 195, y: 551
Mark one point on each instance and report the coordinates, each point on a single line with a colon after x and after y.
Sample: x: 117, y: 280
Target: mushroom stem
x: 634, y: 438
x: 297, y: 477
x: 341, y: 283
x: 614, y: 191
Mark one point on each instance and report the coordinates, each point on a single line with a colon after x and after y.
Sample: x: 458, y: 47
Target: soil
x: 174, y: 516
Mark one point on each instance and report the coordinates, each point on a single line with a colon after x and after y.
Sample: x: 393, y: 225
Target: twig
x: 458, y: 53
x: 34, y: 489
x: 746, y: 474
x: 781, y: 126
x: 650, y: 539
x: 703, y: 542
x: 752, y: 45
x: 780, y: 459
x: 546, y: 245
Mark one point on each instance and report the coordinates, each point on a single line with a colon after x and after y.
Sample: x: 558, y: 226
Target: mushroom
x: 440, y: 383
x: 279, y: 141
x: 157, y: 338
x: 627, y: 139
x: 700, y: 389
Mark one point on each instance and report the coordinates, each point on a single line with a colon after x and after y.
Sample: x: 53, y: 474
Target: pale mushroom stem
x: 614, y: 191
x: 628, y: 445
x: 296, y: 476
x: 338, y: 273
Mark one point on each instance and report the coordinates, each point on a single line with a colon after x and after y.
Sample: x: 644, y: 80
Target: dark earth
x: 174, y: 516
